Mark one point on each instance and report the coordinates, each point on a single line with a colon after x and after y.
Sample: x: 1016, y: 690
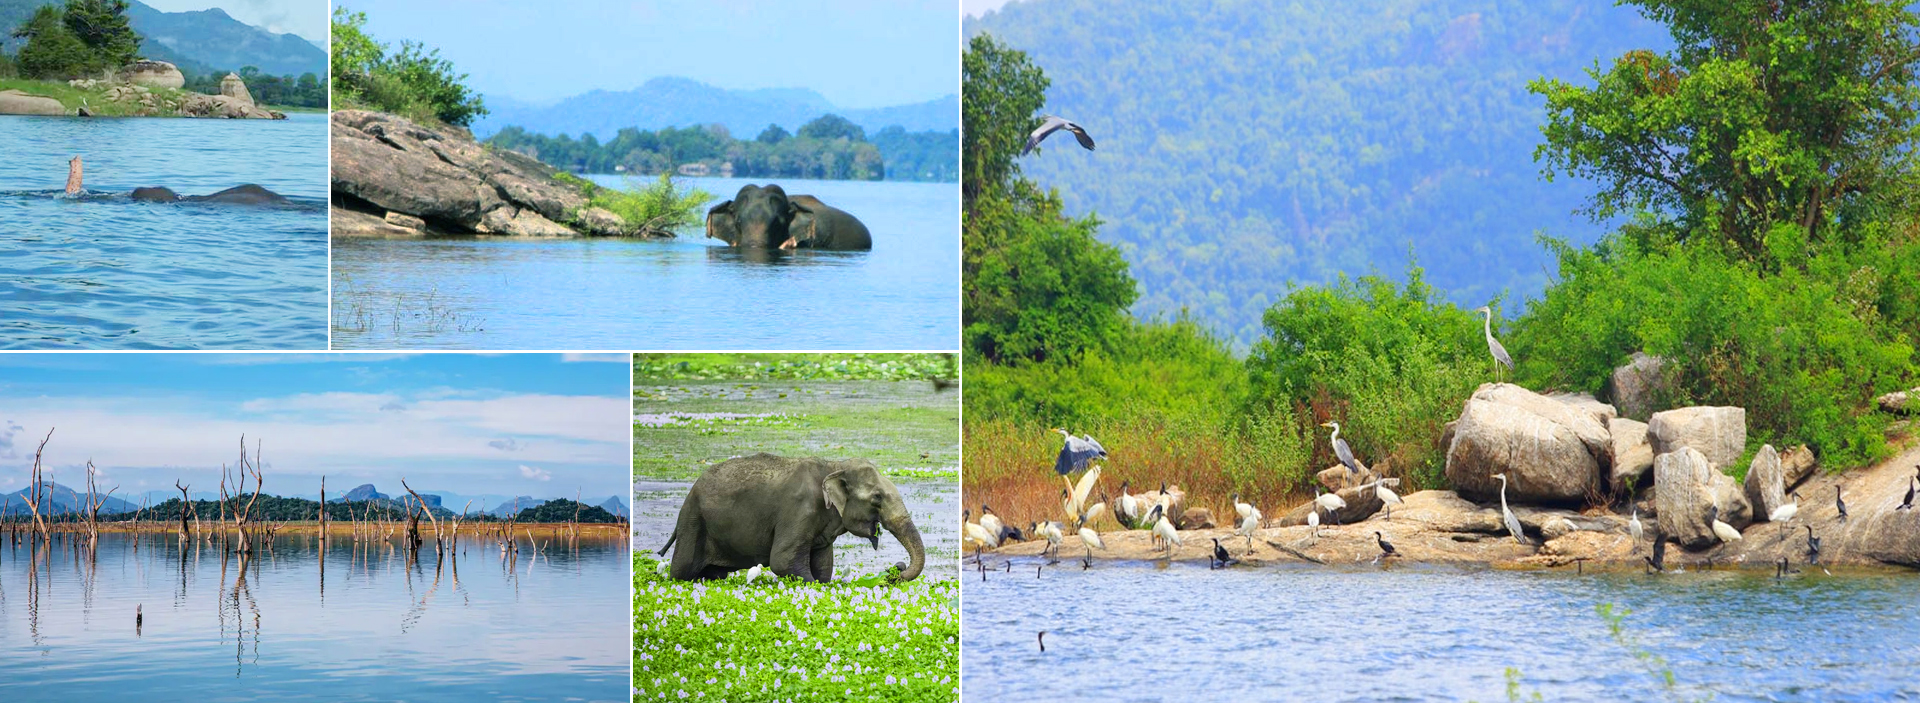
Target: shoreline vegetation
x: 1742, y: 334
x: 827, y: 148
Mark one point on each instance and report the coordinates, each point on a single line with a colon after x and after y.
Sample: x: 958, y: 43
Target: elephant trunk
x: 909, y: 537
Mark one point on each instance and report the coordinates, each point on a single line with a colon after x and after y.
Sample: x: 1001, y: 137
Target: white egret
x: 1506, y: 514
x: 1340, y: 449
x: 1722, y: 530
x: 1634, y: 528
x: 1500, y: 356
x: 662, y: 569
x: 754, y: 572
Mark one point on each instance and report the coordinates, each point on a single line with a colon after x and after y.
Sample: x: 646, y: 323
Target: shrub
x: 662, y: 206
x: 413, y: 82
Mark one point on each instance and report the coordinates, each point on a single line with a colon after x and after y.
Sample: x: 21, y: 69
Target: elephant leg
x: 690, y: 544
x: 823, y: 564
x: 791, y: 556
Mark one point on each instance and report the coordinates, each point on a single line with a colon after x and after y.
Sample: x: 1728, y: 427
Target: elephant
x: 248, y: 194
x: 785, y: 513
x: 766, y: 218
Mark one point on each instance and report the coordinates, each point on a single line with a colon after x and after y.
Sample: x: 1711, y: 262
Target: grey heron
x: 1506, y: 514
x: 1050, y: 124
x: 1839, y: 504
x: 1075, y: 452
x: 1493, y: 345
x: 1722, y: 530
x: 1341, y: 450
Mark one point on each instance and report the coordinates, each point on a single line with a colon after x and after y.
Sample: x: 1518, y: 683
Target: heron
x: 1813, y: 546
x: 1248, y: 525
x: 1634, y: 528
x: 1785, y: 513
x: 754, y: 572
x: 1220, y: 556
x: 1506, y: 514
x: 1341, y: 450
x: 1500, y: 357
x: 1839, y: 504
x: 1127, y: 510
x: 1722, y: 530
x: 1164, y: 529
x: 1075, y: 452
x: 1908, y: 503
x: 1386, y: 548
x: 1050, y: 124
x: 977, y: 533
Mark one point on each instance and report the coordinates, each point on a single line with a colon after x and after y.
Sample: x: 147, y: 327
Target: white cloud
x: 508, y: 444
x: 535, y: 474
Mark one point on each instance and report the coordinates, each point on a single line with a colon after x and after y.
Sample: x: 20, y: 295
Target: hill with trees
x: 1246, y: 146
x: 827, y: 147
x: 565, y: 510
x: 672, y: 101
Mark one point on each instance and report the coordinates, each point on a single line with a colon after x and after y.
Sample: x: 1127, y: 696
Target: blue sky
x: 307, y: 18
x: 517, y: 424
x: 857, y: 53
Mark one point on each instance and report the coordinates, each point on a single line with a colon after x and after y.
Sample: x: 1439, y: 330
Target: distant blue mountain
x: 197, y: 41
x: 511, y: 507
x: 616, y: 505
x: 684, y: 102
x: 59, y: 500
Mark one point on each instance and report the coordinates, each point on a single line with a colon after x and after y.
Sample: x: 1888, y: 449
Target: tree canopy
x: 78, y: 38
x: 414, y: 82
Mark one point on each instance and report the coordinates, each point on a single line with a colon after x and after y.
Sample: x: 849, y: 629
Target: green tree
x: 51, y: 50
x: 102, y: 26
x: 1763, y: 113
x: 773, y: 134
x: 831, y: 126
x: 998, y: 117
x: 414, y: 81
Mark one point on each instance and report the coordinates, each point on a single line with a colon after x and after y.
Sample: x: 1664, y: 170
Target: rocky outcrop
x: 14, y: 102
x: 1637, y: 386
x: 1797, y: 465
x: 1338, y: 478
x: 154, y: 74
x: 1686, y: 485
x: 1550, y: 451
x: 384, y: 163
x: 1899, y: 402
x: 1766, y: 484
x: 359, y: 224
x: 1719, y: 433
x: 1629, y: 452
x: 225, y: 106
x: 236, y: 89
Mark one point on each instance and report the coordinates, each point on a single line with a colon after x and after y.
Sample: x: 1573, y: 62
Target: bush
x: 1804, y: 350
x: 662, y: 206
x: 413, y: 82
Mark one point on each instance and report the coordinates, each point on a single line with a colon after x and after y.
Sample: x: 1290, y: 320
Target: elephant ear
x: 720, y: 224
x: 835, y: 489
x: 803, y: 208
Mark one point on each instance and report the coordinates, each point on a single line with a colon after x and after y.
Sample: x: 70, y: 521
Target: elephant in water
x: 766, y: 218
x: 248, y: 194
x: 785, y: 513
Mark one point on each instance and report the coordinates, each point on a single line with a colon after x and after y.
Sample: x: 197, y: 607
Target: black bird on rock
x: 1813, y: 546
x: 1221, y: 559
x: 1839, y: 504
x: 1386, y: 548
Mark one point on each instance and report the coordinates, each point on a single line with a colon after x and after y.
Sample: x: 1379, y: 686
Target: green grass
x: 95, y: 100
x: 793, y: 367
x: 694, y: 410
x: 854, y: 640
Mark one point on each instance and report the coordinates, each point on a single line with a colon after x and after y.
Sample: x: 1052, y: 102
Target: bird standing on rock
x: 1634, y: 528
x: 1499, y: 352
x: 1813, y: 546
x: 1506, y: 514
x: 1220, y: 556
x: 1839, y: 504
x: 1386, y: 548
x: 1340, y: 449
x: 1724, y: 531
x: 1908, y: 503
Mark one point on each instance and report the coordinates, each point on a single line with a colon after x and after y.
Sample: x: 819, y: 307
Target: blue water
x: 369, y: 626
x: 686, y: 293
x: 1131, y: 631
x: 105, y: 272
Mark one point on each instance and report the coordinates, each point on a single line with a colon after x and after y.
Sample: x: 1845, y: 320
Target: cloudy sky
x: 307, y: 18
x: 518, y: 424
x: 857, y: 53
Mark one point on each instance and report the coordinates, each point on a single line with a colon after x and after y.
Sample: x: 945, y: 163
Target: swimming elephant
x: 766, y: 218
x: 248, y: 194
x: 785, y: 513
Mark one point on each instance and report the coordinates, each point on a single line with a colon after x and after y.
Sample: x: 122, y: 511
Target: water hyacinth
x: 861, y: 639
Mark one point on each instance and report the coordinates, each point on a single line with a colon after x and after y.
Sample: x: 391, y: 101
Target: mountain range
x: 199, y: 41
x: 59, y: 500
x: 1247, y: 147
x: 62, y: 499
x: 684, y: 102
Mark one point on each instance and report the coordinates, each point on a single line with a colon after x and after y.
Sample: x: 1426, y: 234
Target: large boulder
x: 154, y: 74
x: 1899, y: 401
x: 1766, y: 485
x: 1797, y: 465
x: 440, y: 174
x: 1685, y: 486
x: 1638, y: 385
x: 232, y: 87
x: 1550, y: 451
x: 223, y: 106
x: 14, y: 102
x: 1338, y: 478
x: 1720, y: 433
x: 1630, y: 454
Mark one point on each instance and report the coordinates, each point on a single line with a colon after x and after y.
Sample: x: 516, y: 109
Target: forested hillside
x: 1246, y: 145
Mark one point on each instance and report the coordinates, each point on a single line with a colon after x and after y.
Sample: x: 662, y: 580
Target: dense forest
x: 828, y: 147
x: 281, y: 509
x: 1756, y: 183
x: 1247, y: 146
x: 566, y: 510
x: 306, y: 90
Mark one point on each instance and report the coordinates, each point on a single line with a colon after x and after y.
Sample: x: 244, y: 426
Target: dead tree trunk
x: 34, y: 490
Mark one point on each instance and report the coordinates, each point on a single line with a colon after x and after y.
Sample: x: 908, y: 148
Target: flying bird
x: 1052, y: 124
x: 1075, y: 452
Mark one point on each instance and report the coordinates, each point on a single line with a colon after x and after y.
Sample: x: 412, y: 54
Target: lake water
x: 1134, y: 631
x: 374, y: 629
x: 933, y: 503
x: 106, y: 272
x: 686, y: 293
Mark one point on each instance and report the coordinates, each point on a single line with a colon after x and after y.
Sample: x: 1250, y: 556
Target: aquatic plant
x: 792, y: 367
x: 859, y: 639
x: 1656, y: 665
